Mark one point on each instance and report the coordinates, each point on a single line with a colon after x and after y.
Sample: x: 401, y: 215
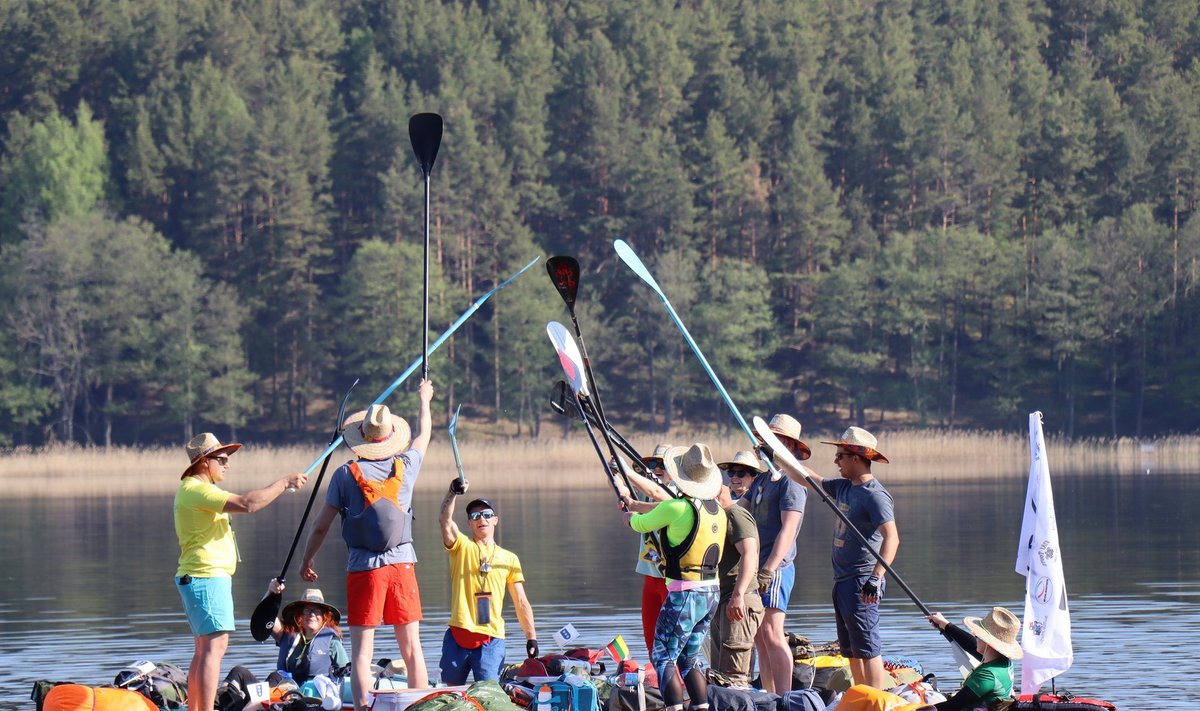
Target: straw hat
x: 862, y: 443
x: 999, y: 629
x: 693, y: 470
x: 375, y: 433
x: 788, y: 426
x: 744, y: 458
x: 204, y: 445
x: 311, y: 596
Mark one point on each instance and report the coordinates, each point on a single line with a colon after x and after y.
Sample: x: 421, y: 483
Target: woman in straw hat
x: 994, y: 638
x: 208, y: 555
x: 692, y: 535
x: 373, y: 495
x: 309, y: 638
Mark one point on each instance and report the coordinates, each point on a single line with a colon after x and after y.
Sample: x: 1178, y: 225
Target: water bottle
x: 543, y: 698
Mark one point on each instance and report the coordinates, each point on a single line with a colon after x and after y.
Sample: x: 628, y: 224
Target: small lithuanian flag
x: 618, y: 649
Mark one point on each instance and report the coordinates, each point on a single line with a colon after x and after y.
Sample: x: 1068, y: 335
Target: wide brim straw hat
x: 788, y: 426
x: 862, y: 443
x: 999, y: 629
x: 744, y: 458
x: 311, y: 596
x: 375, y: 433
x: 204, y: 445
x: 694, y: 471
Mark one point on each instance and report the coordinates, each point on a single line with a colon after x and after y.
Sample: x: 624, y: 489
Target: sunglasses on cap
x: 485, y: 514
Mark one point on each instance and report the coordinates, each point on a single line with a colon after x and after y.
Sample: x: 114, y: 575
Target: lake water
x: 86, y: 584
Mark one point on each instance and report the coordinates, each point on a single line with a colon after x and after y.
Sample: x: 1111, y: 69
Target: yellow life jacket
x: 696, y: 557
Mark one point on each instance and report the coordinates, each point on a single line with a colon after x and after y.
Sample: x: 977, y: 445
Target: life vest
x: 384, y: 522
x: 696, y: 557
x: 315, y: 660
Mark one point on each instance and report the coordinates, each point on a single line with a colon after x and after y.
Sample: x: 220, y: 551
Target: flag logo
x: 617, y: 649
x: 567, y: 633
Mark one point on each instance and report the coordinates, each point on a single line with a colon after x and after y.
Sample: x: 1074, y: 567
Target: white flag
x: 566, y: 635
x: 1046, y: 631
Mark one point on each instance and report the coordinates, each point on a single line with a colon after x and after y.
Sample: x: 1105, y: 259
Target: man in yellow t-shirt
x: 480, y: 571
x: 208, y: 555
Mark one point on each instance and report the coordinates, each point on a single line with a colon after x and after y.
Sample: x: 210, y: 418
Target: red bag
x: 1062, y: 701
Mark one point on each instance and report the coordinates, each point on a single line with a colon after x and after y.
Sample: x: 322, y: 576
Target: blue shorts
x: 208, y: 603
x: 857, y: 622
x: 484, y: 662
x: 780, y: 590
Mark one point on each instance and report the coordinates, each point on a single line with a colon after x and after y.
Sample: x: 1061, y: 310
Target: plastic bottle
x: 543, y: 698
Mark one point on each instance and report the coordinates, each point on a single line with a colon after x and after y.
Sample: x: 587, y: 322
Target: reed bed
x: 555, y: 461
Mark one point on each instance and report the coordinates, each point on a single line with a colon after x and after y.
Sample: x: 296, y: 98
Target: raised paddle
x: 453, y: 428
x: 263, y: 619
x: 561, y: 400
x: 799, y: 472
x: 425, y: 133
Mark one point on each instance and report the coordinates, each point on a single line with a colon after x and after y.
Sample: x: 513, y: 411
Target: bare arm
x: 424, y: 419
x: 446, y: 517
x: 315, y: 538
x: 260, y: 498
x: 524, y: 609
x: 747, y: 575
x: 888, y: 548
x: 647, y: 486
x: 787, y: 536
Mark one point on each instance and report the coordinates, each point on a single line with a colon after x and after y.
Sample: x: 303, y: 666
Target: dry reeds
x: 556, y: 462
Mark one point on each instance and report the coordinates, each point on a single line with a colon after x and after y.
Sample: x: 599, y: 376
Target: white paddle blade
x: 627, y: 255
x: 568, y: 356
x: 782, y: 455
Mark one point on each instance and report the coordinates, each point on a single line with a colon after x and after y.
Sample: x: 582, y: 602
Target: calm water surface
x: 86, y: 584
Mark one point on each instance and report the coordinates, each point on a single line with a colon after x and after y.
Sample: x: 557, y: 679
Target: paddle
x: 425, y: 133
x: 561, y: 399
x: 263, y: 619
x: 441, y: 339
x: 795, y: 470
x: 627, y: 255
x: 564, y: 273
x: 573, y: 367
x: 453, y: 428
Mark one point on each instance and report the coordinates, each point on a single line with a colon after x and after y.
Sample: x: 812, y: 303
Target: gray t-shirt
x: 868, y: 506
x: 345, y: 496
x: 768, y: 500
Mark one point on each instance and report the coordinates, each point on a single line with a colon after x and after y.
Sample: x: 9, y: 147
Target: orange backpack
x: 76, y: 697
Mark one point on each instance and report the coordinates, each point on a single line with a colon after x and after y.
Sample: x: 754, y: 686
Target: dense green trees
x: 902, y: 211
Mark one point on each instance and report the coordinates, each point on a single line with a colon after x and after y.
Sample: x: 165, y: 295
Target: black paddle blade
x: 561, y: 400
x: 263, y: 619
x: 425, y: 132
x: 564, y: 272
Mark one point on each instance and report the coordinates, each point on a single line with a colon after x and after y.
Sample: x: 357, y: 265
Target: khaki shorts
x: 733, y: 642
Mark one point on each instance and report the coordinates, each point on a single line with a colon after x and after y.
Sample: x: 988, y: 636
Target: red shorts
x: 654, y: 594
x: 387, y: 595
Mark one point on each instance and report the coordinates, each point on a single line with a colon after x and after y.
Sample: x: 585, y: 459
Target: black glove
x: 873, y: 587
x: 457, y: 487
x: 765, y: 451
x: 531, y: 648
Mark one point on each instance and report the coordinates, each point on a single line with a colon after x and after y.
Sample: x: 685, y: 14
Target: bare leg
x: 362, y: 641
x: 408, y: 637
x: 205, y: 670
x: 774, y: 655
x: 870, y: 672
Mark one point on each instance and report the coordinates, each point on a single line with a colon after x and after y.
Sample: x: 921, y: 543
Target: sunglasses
x: 222, y: 460
x: 312, y: 611
x: 486, y: 515
x: 652, y: 463
x: 843, y: 455
x: 742, y: 472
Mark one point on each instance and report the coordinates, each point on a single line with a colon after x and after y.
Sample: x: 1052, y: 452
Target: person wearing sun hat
x: 778, y: 509
x: 208, y: 554
x: 481, y: 571
x: 994, y: 639
x: 649, y: 562
x: 858, y: 578
x: 692, y: 535
x: 373, y: 495
x: 309, y: 638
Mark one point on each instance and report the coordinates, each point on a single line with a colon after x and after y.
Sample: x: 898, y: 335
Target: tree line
x: 908, y: 213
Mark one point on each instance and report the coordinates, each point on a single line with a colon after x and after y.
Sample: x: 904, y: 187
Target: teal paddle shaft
x: 337, y: 442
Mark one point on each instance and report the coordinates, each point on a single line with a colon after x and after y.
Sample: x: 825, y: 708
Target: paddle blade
x: 561, y: 400
x: 564, y: 272
x: 425, y: 132
x: 568, y: 356
x: 627, y: 255
x: 263, y: 619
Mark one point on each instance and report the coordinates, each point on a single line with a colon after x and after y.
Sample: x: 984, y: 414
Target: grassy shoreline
x: 525, y: 463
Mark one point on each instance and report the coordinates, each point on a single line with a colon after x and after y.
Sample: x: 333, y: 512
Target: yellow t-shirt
x: 465, y: 580
x: 207, y: 548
